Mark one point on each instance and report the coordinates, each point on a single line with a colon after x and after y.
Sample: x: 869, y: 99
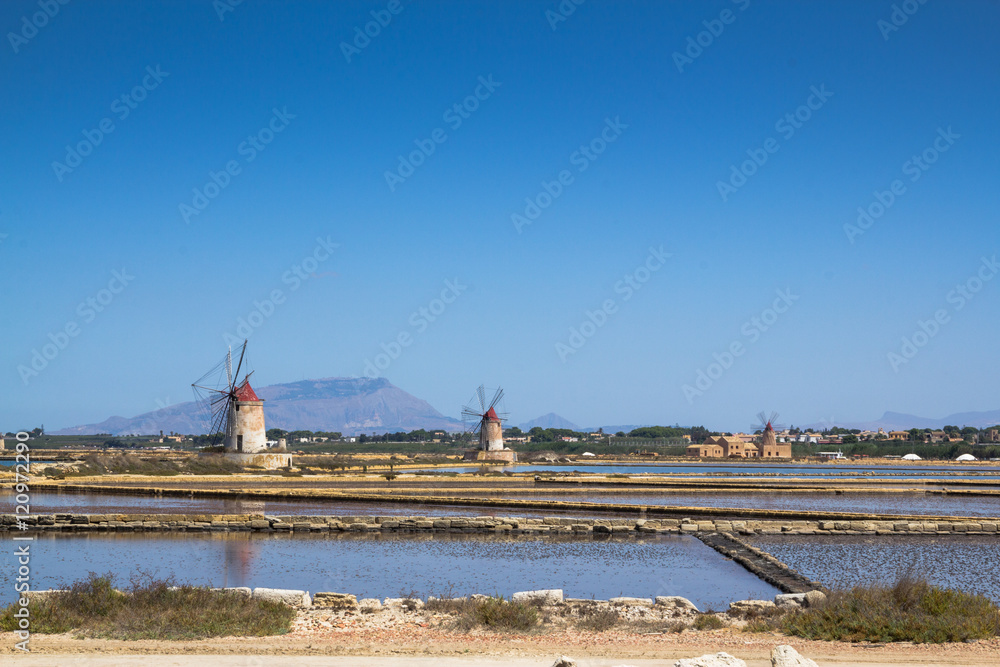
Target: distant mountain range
x: 896, y: 421
x: 348, y: 405
x: 551, y: 420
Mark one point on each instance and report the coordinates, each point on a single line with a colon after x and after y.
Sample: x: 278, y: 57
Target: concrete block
x: 675, y: 602
x: 550, y: 596
x: 291, y: 597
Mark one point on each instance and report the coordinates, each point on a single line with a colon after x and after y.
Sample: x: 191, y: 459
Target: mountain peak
x: 350, y: 405
x: 551, y: 420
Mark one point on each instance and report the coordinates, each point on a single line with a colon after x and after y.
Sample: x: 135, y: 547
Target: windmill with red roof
x: 485, y: 421
x: 236, y: 412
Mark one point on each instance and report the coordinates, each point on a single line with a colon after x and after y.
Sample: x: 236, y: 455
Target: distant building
x: 732, y: 447
x: 706, y: 450
x: 899, y: 435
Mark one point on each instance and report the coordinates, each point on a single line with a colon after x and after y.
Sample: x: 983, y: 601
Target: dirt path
x: 419, y: 647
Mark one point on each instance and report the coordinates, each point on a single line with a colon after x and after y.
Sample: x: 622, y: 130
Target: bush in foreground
x: 151, y: 609
x: 497, y: 613
x: 911, y: 610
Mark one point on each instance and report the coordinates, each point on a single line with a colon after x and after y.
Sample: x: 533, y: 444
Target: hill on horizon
x: 348, y: 405
x: 551, y: 420
x: 898, y: 421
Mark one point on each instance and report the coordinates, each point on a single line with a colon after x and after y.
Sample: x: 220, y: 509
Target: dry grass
x: 598, y: 620
x: 708, y: 622
x: 132, y: 464
x: 151, y: 609
x: 911, y: 610
x: 646, y: 627
x: 498, y: 613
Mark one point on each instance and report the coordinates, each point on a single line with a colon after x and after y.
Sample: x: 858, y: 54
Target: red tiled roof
x: 246, y: 393
x: 492, y: 415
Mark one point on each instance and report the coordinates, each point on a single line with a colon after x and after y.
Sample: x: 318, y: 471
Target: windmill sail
x: 218, y: 393
x: 485, y: 420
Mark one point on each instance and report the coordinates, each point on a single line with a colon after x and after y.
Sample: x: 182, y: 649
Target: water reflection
x: 380, y: 565
x: 237, y: 561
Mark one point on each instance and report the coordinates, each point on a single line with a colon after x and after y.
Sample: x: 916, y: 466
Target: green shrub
x: 497, y: 613
x: 708, y: 622
x: 151, y: 609
x: 598, y: 620
x: 910, y: 610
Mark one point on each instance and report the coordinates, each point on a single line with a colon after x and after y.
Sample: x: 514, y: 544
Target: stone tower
x: 246, y: 433
x: 491, y: 433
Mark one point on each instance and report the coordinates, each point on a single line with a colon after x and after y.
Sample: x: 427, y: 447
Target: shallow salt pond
x: 376, y: 565
x: 953, y: 471
x: 873, y: 503
x: 93, y: 503
x: 968, y: 563
x: 878, y: 503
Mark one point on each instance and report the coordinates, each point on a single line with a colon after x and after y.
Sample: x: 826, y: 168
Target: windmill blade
x: 219, y: 420
x: 238, y: 367
x: 207, y: 388
x: 762, y: 417
x: 481, y: 391
x: 470, y: 413
x: 496, y: 397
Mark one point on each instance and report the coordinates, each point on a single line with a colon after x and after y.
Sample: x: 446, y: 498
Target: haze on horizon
x: 475, y: 183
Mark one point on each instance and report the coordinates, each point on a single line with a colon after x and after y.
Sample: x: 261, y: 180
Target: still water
x: 968, y: 563
x: 956, y: 471
x: 872, y: 503
x: 869, y: 503
x: 88, y: 503
x: 382, y: 566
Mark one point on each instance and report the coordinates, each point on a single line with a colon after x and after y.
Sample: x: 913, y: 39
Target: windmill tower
x: 769, y: 447
x: 487, y: 422
x: 237, y: 413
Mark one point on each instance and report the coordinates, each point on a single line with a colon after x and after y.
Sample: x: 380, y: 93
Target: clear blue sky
x: 608, y: 68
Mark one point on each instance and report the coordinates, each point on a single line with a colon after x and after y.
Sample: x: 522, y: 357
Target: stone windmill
x: 236, y: 412
x: 487, y: 422
x: 769, y: 446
